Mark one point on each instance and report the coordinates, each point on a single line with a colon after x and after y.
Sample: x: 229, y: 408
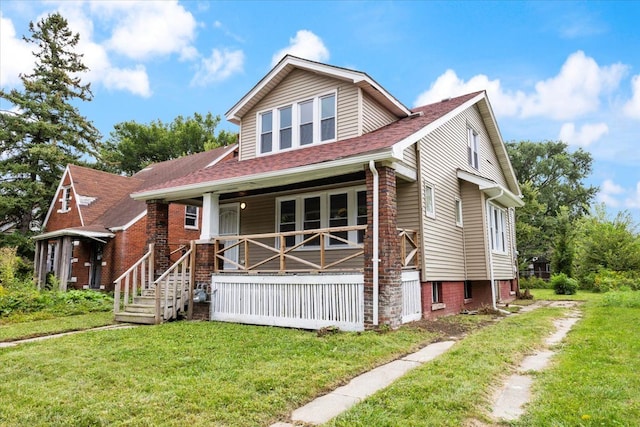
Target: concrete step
x: 140, y: 318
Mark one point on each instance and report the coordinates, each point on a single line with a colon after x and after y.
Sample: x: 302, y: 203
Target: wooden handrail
x: 137, y: 277
x: 173, y: 283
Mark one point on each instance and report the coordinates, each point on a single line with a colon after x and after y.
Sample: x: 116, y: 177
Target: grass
x: 593, y: 380
x: 455, y: 387
x: 36, y: 328
x: 185, y: 373
x: 549, y: 294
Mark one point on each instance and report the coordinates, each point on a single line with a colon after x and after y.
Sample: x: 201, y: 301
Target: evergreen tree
x: 41, y: 131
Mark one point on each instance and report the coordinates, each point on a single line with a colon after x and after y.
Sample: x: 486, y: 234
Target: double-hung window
x: 65, y: 200
x: 436, y: 292
x: 497, y: 229
x: 334, y: 209
x: 472, y: 149
x: 191, y: 217
x: 299, y: 124
x: 429, y: 200
x: 458, y: 208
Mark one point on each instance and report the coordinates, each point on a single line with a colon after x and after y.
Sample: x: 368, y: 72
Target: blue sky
x: 553, y: 70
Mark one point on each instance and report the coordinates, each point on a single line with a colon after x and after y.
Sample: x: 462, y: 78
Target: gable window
x: 436, y: 292
x: 330, y: 209
x: 191, y: 217
x: 458, y: 208
x: 266, y: 134
x: 497, y: 229
x: 65, y: 199
x: 328, y: 118
x: 297, y: 125
x: 286, y: 131
x: 429, y: 201
x: 472, y: 149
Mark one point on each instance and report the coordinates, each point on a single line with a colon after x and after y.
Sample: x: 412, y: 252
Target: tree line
x: 44, y: 131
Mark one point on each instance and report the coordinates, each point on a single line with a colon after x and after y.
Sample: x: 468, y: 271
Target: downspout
x: 493, y: 289
x: 376, y: 258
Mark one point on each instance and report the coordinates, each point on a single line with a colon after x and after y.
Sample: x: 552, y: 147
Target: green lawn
x: 184, y: 373
x: 456, y: 386
x: 549, y: 294
x: 36, y: 328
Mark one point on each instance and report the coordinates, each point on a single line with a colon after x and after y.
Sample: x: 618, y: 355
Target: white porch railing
x: 139, y: 277
x: 411, y: 296
x: 310, y: 301
x: 173, y: 290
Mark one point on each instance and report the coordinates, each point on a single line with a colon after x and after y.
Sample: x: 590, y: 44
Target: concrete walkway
x: 509, y: 401
x: 47, y: 337
x: 333, y: 404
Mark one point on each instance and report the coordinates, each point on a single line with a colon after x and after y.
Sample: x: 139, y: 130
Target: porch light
x: 243, y: 205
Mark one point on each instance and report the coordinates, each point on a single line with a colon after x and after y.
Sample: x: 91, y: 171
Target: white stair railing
x: 132, y: 282
x: 174, y: 289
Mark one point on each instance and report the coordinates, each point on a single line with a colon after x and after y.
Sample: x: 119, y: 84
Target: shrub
x: 534, y: 283
x: 564, y: 285
x: 29, y: 300
x: 608, y: 280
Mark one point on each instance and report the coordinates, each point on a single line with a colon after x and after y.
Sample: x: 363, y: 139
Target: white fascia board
x: 487, y: 185
x: 356, y: 77
x: 400, y: 146
x: 55, y: 196
x: 223, y: 155
x: 405, y: 171
x: 220, y: 184
x: 76, y: 201
x: 67, y: 232
x: 130, y: 223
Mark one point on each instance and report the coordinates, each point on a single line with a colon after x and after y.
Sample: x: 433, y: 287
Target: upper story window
x: 311, y: 121
x: 429, y: 200
x: 497, y: 229
x: 472, y: 148
x: 458, y: 208
x: 191, y: 217
x: 65, y: 199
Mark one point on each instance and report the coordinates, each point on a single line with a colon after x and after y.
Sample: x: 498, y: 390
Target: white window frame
x: 352, y: 215
x: 497, y: 229
x: 429, y: 196
x: 65, y: 199
x: 458, y: 211
x: 188, y: 214
x: 473, y: 149
x: 436, y: 293
x: 295, y: 124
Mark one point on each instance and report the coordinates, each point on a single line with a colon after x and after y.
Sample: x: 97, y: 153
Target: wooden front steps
x: 142, y: 310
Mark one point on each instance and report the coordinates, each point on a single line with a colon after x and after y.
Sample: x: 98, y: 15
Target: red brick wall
x: 453, y: 298
x: 389, y: 268
x: 58, y: 220
x: 506, y: 287
x: 202, y: 311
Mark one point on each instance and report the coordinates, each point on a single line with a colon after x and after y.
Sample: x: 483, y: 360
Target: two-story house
x: 344, y: 207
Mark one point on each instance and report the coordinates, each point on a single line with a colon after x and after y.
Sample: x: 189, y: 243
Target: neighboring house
x: 94, y: 231
x: 344, y: 207
x: 538, y: 266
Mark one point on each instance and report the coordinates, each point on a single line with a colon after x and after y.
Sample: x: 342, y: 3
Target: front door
x: 229, y: 226
x: 96, y: 265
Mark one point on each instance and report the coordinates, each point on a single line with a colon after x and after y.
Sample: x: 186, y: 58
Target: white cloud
x: 219, y: 66
x: 15, y: 54
x: 632, y: 108
x: 306, y: 45
x: 608, y: 193
x: 134, y: 80
x: 587, y: 135
x: 144, y: 29
x: 633, y: 201
x: 573, y: 92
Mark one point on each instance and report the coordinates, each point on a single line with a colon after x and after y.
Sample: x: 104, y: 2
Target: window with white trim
x: 429, y: 200
x: 65, y: 199
x: 297, y: 125
x: 458, y: 208
x: 472, y: 148
x: 330, y: 209
x: 191, y: 217
x: 497, y: 229
x: 436, y: 292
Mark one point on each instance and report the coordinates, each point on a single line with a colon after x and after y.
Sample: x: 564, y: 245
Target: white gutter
x: 493, y: 290
x: 376, y: 257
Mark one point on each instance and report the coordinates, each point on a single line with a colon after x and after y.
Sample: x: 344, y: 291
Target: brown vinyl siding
x: 409, y: 156
x: 299, y: 86
x: 408, y: 205
x: 374, y: 116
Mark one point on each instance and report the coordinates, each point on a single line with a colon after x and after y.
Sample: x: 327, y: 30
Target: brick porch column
x: 158, y: 233
x: 389, y: 268
x: 205, y: 260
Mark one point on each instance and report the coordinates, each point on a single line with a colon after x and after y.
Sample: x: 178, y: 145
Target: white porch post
x: 210, y: 216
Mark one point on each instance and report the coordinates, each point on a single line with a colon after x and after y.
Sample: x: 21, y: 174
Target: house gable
x: 61, y: 213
